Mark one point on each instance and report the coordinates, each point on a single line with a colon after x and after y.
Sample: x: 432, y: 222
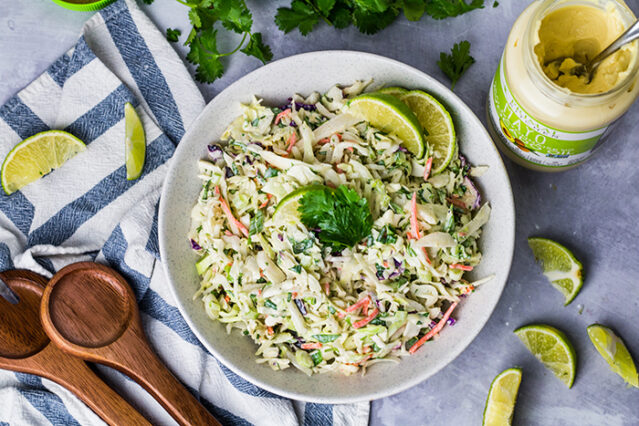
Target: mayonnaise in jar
x: 542, y: 114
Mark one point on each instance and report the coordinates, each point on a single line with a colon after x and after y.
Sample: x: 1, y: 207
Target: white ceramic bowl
x: 275, y: 82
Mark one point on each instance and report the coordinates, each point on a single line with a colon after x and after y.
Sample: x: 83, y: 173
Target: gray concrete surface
x: 593, y: 209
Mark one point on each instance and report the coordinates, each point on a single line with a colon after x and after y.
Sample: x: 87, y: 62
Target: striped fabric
x: 87, y: 210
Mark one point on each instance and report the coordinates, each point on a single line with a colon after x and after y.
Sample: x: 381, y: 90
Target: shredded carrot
x: 350, y: 148
x: 327, y: 288
x: 295, y: 294
x: 462, y: 234
x: 323, y: 141
x: 228, y: 233
x: 435, y: 330
x: 385, y: 263
x: 259, y: 291
x: 270, y: 330
x: 359, y: 304
x: 261, y: 273
x: 427, y: 256
x: 413, y: 216
x: 369, y: 318
x: 279, y: 116
x: 462, y: 267
x: 339, y: 136
x: 229, y: 213
x: 265, y: 203
x: 365, y: 309
x: 366, y: 358
x: 314, y: 345
x: 429, y: 165
x: 291, y: 142
x: 366, y: 348
x: 469, y: 289
x: 227, y: 298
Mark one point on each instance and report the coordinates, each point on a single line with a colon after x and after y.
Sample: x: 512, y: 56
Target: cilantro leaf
x: 147, y: 1
x: 413, y: 9
x: 258, y: 49
x: 440, y: 9
x: 372, y: 22
x: 300, y: 15
x: 341, y: 16
x: 342, y: 217
x: 325, y: 6
x: 373, y: 6
x: 235, y: 16
x: 205, y: 57
x: 454, y: 65
x: 172, y: 35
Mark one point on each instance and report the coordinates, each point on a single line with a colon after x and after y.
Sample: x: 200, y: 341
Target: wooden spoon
x: 24, y: 347
x: 89, y: 311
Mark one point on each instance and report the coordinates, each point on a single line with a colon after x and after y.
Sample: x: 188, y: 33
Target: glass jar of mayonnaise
x: 544, y: 114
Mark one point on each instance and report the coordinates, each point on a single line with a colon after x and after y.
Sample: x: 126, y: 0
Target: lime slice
x: 36, y: 156
x: 398, y: 92
x: 440, y: 132
x: 134, y: 143
x: 552, y: 348
x: 287, y: 207
x: 560, y: 266
x: 390, y: 115
x: 614, y: 351
x: 502, y: 396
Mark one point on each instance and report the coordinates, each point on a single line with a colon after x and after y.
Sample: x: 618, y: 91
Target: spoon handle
x: 75, y: 375
x: 132, y: 355
x: 631, y: 34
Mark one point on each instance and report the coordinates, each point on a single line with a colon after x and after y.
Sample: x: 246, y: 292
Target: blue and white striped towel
x: 87, y: 210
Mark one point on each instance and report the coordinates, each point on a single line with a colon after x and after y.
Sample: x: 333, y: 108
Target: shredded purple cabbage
x: 433, y: 324
x: 379, y: 275
x: 215, y: 152
x: 298, y: 105
x: 301, y: 306
x: 451, y: 321
x: 195, y: 245
x: 470, y: 185
x: 228, y: 172
x: 281, y: 237
x: 401, y: 149
x: 292, y: 124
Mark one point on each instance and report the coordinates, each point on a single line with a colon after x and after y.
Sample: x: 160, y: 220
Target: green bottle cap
x: 83, y: 5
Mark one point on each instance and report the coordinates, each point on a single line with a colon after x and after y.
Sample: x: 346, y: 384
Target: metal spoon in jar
x: 588, y: 69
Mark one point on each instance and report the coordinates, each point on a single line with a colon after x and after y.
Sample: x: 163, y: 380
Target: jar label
x: 530, y: 139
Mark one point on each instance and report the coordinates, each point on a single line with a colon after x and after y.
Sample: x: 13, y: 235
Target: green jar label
x: 530, y: 139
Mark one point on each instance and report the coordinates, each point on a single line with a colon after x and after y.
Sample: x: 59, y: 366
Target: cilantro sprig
x: 369, y: 16
x: 233, y: 15
x: 342, y: 217
x: 455, y: 64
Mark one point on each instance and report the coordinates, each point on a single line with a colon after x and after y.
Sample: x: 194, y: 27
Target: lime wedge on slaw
x: 287, y: 207
x: 502, y: 396
x: 393, y: 91
x: 389, y: 114
x: 614, y: 351
x: 552, y: 348
x: 438, y: 124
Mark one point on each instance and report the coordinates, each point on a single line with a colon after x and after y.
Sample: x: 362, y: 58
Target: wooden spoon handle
x: 75, y: 375
x: 136, y: 359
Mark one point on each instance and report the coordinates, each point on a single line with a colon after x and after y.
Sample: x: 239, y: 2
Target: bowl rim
x: 377, y: 394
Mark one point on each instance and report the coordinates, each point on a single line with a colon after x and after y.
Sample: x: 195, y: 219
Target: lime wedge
x: 552, y: 348
x: 560, y: 266
x: 287, y: 207
x: 390, y: 115
x: 440, y: 132
x: 398, y: 92
x: 36, y: 156
x: 134, y: 143
x: 502, y: 396
x: 614, y: 351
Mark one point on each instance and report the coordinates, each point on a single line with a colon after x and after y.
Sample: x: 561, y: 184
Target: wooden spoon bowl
x: 25, y: 347
x: 88, y: 310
